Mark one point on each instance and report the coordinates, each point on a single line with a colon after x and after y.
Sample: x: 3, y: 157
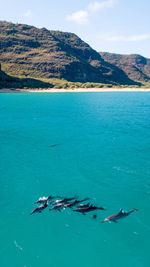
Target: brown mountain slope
x: 136, y: 67
x: 29, y: 51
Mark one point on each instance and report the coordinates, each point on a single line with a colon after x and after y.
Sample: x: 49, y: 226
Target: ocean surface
x: 102, y: 152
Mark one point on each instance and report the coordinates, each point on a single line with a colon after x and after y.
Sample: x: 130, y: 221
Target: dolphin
x: 53, y: 145
x: 43, y: 200
x: 39, y: 209
x: 64, y: 200
x: 84, y: 205
x: 74, y: 203
x: 121, y: 214
x: 57, y: 206
x: 84, y: 210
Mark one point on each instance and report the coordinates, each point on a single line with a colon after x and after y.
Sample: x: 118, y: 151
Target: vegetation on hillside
x: 136, y: 67
x: 51, y: 56
x: 8, y: 81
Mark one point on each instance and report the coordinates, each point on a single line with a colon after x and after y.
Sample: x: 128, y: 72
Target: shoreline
x: 74, y: 90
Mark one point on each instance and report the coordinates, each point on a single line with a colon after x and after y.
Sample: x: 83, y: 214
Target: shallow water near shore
x: 102, y: 151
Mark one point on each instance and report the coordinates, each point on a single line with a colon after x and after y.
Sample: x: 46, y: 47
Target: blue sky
x: 119, y: 26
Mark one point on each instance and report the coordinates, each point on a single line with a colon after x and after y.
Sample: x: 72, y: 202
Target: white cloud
x: 80, y: 17
x: 96, y: 6
x: 28, y: 13
x: 121, y: 38
x: 141, y: 37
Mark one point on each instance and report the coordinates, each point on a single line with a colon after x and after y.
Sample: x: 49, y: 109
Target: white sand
x: 76, y: 90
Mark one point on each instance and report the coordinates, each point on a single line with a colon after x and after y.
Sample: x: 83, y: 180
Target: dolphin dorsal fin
x: 121, y: 211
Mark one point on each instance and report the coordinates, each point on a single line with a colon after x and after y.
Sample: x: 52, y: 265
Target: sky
x: 116, y: 26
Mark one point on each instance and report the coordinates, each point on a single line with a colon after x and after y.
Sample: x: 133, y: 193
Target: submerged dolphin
x: 53, y: 145
x: 121, y: 214
x: 39, y: 209
x: 86, y: 209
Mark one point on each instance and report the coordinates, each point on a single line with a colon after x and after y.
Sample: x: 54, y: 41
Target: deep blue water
x: 102, y: 152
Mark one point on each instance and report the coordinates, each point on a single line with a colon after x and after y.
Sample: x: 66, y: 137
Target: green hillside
x: 26, y: 51
x: 7, y: 81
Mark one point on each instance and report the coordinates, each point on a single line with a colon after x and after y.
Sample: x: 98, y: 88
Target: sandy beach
x: 74, y: 90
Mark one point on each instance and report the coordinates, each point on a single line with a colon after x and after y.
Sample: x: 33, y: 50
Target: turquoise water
x: 102, y: 152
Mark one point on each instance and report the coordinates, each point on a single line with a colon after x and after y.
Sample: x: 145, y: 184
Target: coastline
x: 74, y: 90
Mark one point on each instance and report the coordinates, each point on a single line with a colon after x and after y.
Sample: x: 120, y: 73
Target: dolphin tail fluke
x: 135, y: 209
x: 101, y: 208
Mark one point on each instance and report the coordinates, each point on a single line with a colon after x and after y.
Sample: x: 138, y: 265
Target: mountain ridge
x: 26, y: 51
x: 135, y: 66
